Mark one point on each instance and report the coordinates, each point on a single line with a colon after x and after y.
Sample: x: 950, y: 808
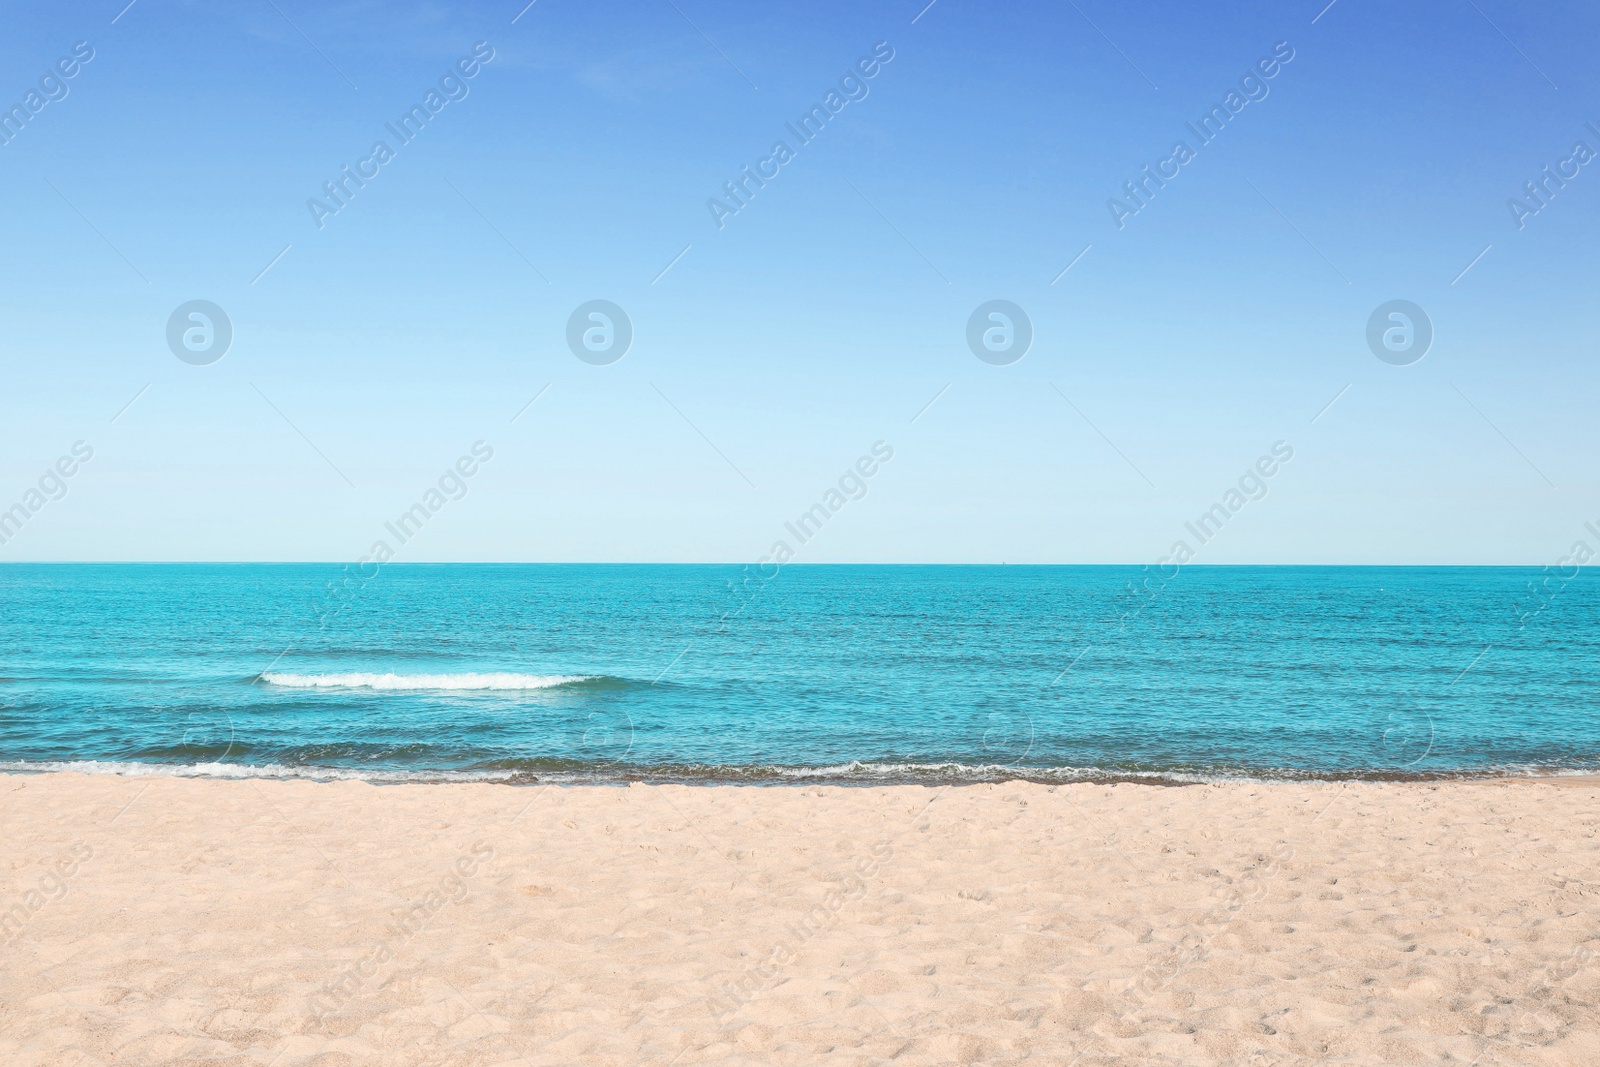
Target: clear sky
x: 770, y: 352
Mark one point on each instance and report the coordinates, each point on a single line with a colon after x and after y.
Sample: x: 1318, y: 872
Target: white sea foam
x: 135, y: 769
x: 356, y: 680
x: 854, y: 773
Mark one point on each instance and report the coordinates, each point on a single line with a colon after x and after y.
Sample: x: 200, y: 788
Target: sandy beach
x: 161, y: 920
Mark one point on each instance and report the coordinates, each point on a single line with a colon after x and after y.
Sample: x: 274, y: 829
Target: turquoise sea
x: 840, y: 673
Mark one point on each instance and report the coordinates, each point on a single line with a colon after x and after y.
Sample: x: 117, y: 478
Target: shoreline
x: 866, y: 776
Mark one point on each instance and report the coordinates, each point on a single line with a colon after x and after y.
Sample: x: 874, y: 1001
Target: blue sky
x: 823, y: 316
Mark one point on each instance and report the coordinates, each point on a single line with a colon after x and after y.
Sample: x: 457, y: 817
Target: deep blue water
x: 849, y: 672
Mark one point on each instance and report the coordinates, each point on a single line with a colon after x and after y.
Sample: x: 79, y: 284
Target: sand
x: 160, y: 920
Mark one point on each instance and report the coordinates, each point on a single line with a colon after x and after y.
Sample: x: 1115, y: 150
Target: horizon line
x: 703, y: 563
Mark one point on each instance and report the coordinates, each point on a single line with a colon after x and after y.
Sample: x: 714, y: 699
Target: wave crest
x: 499, y: 680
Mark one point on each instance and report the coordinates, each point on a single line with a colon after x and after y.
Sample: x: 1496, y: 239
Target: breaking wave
x: 499, y: 680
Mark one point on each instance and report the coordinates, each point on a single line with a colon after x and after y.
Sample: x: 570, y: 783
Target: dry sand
x: 188, y: 921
